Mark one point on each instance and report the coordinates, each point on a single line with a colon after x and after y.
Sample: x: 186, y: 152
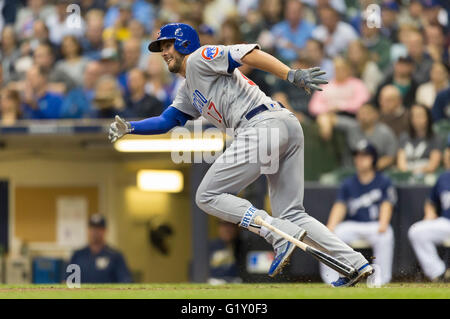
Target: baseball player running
x: 215, y: 89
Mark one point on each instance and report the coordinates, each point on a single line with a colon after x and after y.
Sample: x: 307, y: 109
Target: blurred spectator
x: 39, y: 102
x: 99, y: 263
x: 366, y: 127
x: 378, y: 45
x: 9, y: 53
x: 333, y: 32
x: 229, y: 32
x: 137, y: 33
x: 434, y: 13
x: 413, y: 15
x: 426, y: 93
x: 138, y: 103
x: 338, y: 5
x: 158, y: 79
x: 89, y: 5
x: 169, y: 11
x: 436, y: 46
x: 35, y: 10
x: 389, y: 17
x: 344, y: 93
x: 393, y: 113
x: 119, y: 30
x: 314, y: 52
x: 430, y: 232
x: 291, y: 34
x: 92, y: 41
x: 363, y: 211
x: 110, y: 61
x: 245, y: 6
x: 207, y: 35
x: 441, y: 106
x: 363, y: 67
x: 420, y: 149
x: 108, y: 101
x: 290, y: 96
x: 141, y: 10
x: 41, y: 35
x: 272, y: 12
x: 252, y: 28
x: 78, y: 102
x: 399, y: 49
x: 223, y: 255
x: 422, y: 60
x: 402, y: 78
x: 9, y: 106
x: 59, y: 23
x: 131, y: 54
x: 215, y: 12
x: 59, y: 80
x: 73, y: 62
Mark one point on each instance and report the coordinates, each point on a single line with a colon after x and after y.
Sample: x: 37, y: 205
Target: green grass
x: 231, y: 291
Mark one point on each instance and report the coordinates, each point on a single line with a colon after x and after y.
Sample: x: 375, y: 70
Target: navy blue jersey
x: 222, y: 261
x: 363, y: 201
x: 108, y: 266
x: 440, y: 195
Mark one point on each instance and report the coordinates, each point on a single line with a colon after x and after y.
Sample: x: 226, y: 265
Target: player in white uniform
x: 363, y: 211
x: 434, y: 229
x: 215, y: 89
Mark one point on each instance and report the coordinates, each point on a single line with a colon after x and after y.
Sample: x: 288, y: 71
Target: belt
x: 257, y: 110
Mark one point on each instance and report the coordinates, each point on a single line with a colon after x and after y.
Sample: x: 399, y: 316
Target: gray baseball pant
x: 280, y: 134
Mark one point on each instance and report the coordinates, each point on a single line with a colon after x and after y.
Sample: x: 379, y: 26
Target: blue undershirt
x: 168, y: 119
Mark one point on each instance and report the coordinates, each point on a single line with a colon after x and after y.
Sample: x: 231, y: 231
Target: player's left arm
x: 307, y: 78
x: 389, y: 199
x: 386, y: 209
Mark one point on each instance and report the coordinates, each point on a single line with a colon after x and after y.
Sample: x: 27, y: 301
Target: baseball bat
x: 326, y: 259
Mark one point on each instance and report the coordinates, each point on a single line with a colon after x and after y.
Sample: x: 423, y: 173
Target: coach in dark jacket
x: 98, y: 262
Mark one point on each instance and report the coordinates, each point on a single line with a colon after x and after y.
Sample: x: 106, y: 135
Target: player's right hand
x: 118, y: 128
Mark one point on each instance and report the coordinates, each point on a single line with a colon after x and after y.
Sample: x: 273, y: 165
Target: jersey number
x: 218, y: 116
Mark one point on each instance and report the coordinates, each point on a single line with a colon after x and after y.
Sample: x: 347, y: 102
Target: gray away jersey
x: 217, y: 90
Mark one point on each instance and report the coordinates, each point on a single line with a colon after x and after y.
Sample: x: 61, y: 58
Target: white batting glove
x: 118, y: 128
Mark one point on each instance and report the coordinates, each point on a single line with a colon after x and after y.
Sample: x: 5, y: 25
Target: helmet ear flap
x: 185, y: 43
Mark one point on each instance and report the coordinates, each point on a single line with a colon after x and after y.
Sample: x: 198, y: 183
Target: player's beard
x: 176, y: 65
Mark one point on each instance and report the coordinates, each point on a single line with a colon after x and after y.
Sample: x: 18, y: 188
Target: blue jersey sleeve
x: 434, y: 195
x: 343, y: 193
x: 232, y: 64
x: 170, y: 118
x: 389, y: 193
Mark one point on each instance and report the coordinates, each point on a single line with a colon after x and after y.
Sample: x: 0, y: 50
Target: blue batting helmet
x: 185, y: 36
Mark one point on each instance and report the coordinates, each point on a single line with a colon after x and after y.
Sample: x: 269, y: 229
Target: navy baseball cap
x: 97, y: 220
x: 431, y: 3
x: 365, y: 147
x: 391, y: 5
x: 205, y: 29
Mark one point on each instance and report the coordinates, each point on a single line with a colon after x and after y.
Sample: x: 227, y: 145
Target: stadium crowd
x: 388, y: 77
